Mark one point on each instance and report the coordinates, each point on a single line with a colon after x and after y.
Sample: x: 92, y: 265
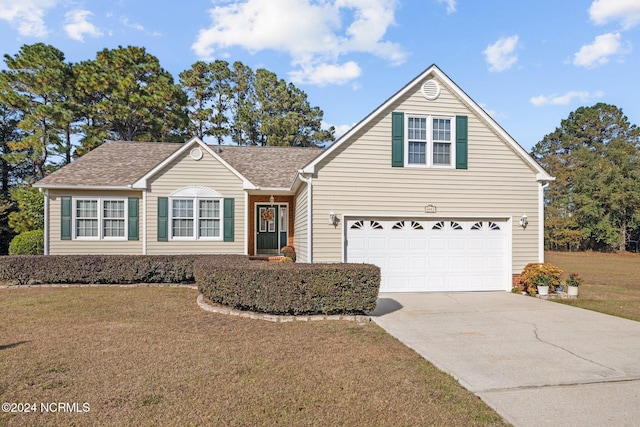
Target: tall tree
x: 222, y: 95
x: 245, y: 124
x: 34, y: 84
x: 196, y: 82
x: 131, y: 98
x: 595, y: 201
x: 284, y: 114
x: 9, y: 119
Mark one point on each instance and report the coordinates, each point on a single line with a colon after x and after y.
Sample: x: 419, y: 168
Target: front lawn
x: 612, y: 281
x: 150, y: 356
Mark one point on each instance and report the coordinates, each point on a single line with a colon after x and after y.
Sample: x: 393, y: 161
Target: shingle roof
x: 119, y: 164
x: 274, y: 167
x: 115, y: 164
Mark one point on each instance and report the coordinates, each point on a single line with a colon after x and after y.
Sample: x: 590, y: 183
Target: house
x: 428, y: 186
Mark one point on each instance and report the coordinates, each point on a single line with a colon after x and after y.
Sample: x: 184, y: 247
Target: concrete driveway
x: 537, y: 363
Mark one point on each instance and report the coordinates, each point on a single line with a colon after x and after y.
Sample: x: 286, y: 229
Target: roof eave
x: 84, y: 187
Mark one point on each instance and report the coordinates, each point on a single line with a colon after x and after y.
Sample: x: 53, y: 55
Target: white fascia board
x: 543, y: 176
x: 84, y: 187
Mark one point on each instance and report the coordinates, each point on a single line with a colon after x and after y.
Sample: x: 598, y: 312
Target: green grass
x: 612, y: 281
x: 149, y: 356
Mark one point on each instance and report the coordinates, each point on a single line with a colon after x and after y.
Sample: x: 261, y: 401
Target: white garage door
x: 416, y: 255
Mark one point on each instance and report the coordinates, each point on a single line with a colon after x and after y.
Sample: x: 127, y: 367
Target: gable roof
x: 112, y: 165
x: 542, y: 175
x: 125, y: 165
x: 268, y: 167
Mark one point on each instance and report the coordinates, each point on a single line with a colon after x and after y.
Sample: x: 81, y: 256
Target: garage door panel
x: 437, y: 244
x: 441, y: 255
x: 418, y: 244
x: 396, y: 244
x: 457, y: 244
x: 476, y: 262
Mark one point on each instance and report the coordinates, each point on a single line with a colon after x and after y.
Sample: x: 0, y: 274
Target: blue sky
x: 528, y: 63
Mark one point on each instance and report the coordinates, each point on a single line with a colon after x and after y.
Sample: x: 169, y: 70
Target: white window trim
x: 429, y: 145
x: 196, y: 218
x: 100, y: 200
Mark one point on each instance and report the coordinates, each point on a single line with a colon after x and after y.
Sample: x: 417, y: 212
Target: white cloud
x: 323, y: 74
x: 566, y: 99
x: 26, y: 15
x: 598, y: 52
x: 135, y: 25
x: 339, y: 129
x: 501, y: 54
x: 77, y: 25
x: 625, y: 11
x: 451, y: 5
x: 314, y: 33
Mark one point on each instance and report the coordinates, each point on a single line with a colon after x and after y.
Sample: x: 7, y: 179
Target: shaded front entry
x: 267, y: 241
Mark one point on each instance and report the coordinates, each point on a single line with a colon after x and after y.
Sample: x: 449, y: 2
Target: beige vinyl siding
x: 184, y: 172
x: 57, y: 246
x: 301, y: 224
x: 358, y: 179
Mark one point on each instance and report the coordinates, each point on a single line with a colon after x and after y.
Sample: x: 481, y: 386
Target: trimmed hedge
x: 101, y: 269
x: 286, y: 288
x: 233, y: 280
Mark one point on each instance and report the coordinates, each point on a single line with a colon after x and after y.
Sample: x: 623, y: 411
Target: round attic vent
x: 196, y: 154
x: 431, y: 89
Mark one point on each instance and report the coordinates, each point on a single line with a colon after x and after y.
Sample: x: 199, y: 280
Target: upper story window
x: 429, y: 141
x: 99, y: 218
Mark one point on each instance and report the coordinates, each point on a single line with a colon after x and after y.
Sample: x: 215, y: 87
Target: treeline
x: 594, y: 203
x: 52, y: 111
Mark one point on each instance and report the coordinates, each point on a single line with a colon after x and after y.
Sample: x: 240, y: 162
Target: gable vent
x: 431, y: 89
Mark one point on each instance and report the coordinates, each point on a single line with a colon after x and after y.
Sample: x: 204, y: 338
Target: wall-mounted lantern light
x: 524, y: 221
x: 271, y: 200
x: 333, y: 219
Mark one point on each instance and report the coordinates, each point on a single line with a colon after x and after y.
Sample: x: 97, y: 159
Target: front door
x: 267, y: 229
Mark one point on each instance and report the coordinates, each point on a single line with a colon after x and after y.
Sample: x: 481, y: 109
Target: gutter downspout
x: 309, y: 182
x: 541, y: 221
x: 46, y: 221
x: 144, y: 222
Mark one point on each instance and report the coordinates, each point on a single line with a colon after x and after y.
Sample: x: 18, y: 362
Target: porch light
x: 524, y: 221
x: 271, y: 200
x: 333, y: 219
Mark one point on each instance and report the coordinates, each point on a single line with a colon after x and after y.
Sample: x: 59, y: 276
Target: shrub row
x: 99, y: 269
x: 286, y: 288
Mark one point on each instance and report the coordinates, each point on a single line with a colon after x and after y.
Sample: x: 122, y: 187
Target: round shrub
x: 289, y: 252
x: 27, y: 243
x: 532, y: 270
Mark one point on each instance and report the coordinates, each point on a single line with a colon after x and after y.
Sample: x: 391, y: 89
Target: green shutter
x: 133, y: 218
x: 229, y: 213
x: 163, y: 219
x: 397, y: 140
x: 461, y: 142
x: 65, y: 218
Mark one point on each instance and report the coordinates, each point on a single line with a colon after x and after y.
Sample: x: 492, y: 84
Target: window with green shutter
x: 429, y: 141
x: 462, y: 142
x: 229, y: 214
x: 397, y: 139
x: 163, y: 219
x: 65, y: 217
x: 133, y: 222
